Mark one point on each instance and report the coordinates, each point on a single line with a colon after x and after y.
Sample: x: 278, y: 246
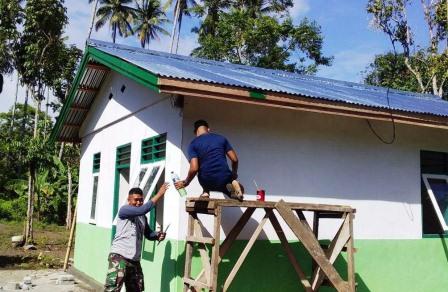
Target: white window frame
x: 432, y: 197
x: 150, y: 166
x: 93, y: 220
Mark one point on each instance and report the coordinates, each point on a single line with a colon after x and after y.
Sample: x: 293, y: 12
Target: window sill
x: 441, y: 235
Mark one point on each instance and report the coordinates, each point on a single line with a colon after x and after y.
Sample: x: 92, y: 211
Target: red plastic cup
x: 260, y: 195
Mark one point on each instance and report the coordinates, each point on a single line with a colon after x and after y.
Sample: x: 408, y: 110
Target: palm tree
x: 117, y: 14
x: 182, y: 7
x: 149, y: 18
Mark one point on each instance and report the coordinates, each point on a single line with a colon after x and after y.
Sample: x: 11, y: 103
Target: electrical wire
x: 392, y: 140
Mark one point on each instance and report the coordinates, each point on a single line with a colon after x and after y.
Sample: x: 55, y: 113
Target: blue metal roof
x: 267, y: 80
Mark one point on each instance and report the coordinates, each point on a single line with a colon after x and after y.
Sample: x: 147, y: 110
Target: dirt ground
x: 42, y: 265
x: 50, y: 242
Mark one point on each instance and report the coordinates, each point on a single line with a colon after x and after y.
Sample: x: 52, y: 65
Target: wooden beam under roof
x: 86, y: 88
x: 97, y: 67
x: 303, y: 103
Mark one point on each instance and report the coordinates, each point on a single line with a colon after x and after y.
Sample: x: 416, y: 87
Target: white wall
x: 307, y: 157
x: 128, y: 117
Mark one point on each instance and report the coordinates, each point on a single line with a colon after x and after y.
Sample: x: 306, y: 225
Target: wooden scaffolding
x: 323, y: 257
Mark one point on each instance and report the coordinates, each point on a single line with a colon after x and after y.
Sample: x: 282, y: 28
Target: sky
x: 348, y: 37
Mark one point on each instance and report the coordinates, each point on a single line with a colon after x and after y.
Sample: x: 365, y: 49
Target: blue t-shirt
x: 211, y: 150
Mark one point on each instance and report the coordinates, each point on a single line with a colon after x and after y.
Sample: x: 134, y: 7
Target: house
x: 302, y: 138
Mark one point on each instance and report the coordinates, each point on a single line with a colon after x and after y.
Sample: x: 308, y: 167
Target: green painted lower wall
x: 381, y: 265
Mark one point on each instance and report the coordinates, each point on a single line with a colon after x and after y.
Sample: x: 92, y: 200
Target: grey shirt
x: 131, y: 227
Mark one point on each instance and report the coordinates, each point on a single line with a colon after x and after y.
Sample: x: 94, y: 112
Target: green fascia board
x: 257, y: 94
x: 121, y: 66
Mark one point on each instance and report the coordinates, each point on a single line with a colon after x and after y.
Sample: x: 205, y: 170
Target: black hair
x: 136, y: 191
x: 200, y: 123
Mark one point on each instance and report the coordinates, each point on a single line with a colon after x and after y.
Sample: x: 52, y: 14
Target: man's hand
x: 163, y: 189
x: 181, y: 184
x: 161, y: 236
x: 160, y: 193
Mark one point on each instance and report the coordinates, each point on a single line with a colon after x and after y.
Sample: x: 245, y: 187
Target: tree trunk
x: 30, y: 207
x: 15, y: 104
x: 61, y: 150
x: 93, y: 18
x: 68, y: 220
x: 36, y: 119
x: 176, y: 19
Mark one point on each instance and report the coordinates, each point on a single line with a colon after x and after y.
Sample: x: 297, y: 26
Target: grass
x: 50, y: 241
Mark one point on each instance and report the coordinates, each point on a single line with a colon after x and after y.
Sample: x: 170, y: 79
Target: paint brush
x: 158, y: 241
x: 256, y: 186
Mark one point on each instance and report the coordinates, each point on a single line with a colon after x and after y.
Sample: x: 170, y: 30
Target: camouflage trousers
x: 122, y: 270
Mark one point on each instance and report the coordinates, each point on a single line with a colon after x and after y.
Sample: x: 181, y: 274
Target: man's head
x: 200, y: 127
x: 135, y: 197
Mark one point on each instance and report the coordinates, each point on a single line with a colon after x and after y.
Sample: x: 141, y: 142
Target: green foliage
x: 264, y: 41
x: 118, y: 14
x: 427, y: 62
x: 389, y: 70
x: 10, y: 17
x: 20, y: 151
x: 149, y: 20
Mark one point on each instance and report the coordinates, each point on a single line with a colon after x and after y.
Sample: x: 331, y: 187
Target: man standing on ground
x: 208, y: 154
x: 125, y: 253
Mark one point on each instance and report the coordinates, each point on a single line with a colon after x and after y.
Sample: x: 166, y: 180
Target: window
x: 434, y: 195
x: 94, y: 194
x: 96, y: 162
x: 153, y: 149
x: 122, y: 182
x: 437, y: 187
x: 95, y: 170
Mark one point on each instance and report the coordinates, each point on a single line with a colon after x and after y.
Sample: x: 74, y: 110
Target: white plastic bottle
x: 175, y: 178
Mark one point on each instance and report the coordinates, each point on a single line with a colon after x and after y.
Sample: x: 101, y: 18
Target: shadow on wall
x: 265, y: 269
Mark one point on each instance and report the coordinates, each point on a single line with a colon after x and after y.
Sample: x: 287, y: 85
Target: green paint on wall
x: 381, y: 265
x: 92, y: 246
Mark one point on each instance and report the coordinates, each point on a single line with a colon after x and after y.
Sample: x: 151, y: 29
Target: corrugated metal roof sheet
x: 266, y: 80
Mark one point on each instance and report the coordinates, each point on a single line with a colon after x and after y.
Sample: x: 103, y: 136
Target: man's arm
x: 128, y: 211
x: 149, y: 234
x: 234, y: 160
x: 192, y: 171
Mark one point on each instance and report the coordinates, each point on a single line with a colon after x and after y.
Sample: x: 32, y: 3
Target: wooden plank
x: 244, y: 253
x: 198, y: 239
x: 312, y: 245
x: 215, y: 250
x: 197, y: 203
x: 350, y: 256
x: 230, y: 238
x: 87, y: 89
x: 203, y: 252
x: 316, y: 234
x: 290, y: 254
x: 192, y: 283
x: 188, y: 251
x: 335, y: 248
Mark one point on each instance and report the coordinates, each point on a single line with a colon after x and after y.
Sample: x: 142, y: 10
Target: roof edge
x: 132, y: 71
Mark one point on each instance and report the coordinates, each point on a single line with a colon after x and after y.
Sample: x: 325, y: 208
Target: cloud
x: 348, y: 64
x: 300, y: 8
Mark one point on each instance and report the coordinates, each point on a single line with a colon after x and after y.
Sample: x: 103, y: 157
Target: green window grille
x: 124, y: 155
x: 153, y: 149
x: 96, y: 162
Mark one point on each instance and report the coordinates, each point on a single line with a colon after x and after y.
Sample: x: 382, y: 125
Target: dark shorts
x: 211, y: 184
x: 122, y: 270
